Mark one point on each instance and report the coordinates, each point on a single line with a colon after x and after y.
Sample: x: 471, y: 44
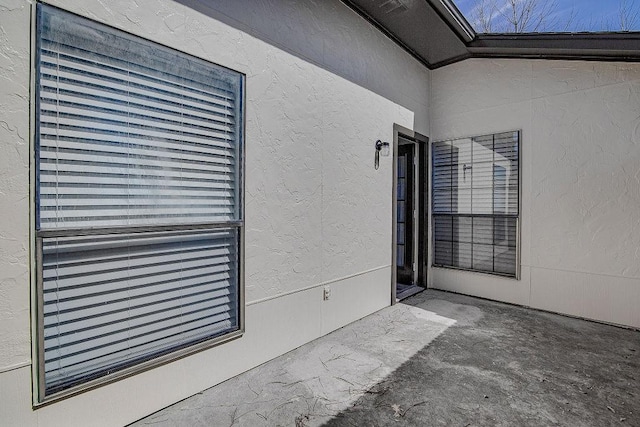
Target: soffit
x: 415, y: 25
x: 437, y: 34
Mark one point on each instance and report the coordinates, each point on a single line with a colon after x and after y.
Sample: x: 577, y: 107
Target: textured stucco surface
x: 322, y: 85
x: 14, y: 184
x: 580, y: 232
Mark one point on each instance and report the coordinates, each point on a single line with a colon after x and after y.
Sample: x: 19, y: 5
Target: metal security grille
x: 476, y: 203
x: 138, y: 164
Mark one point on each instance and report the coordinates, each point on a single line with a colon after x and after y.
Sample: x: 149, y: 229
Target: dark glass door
x: 405, y: 206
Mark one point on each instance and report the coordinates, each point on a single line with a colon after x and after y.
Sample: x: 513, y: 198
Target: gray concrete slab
x: 436, y: 359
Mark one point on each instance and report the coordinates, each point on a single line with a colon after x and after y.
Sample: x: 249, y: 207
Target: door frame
x: 421, y: 197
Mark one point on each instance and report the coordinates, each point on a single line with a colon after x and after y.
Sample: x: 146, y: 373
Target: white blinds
x: 476, y: 203
x: 111, y: 300
x: 127, y: 136
x: 476, y: 175
x: 138, y: 199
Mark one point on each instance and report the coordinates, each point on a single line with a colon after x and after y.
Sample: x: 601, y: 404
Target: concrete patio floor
x: 436, y: 359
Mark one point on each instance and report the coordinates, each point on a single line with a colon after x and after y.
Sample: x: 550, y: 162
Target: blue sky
x: 589, y: 15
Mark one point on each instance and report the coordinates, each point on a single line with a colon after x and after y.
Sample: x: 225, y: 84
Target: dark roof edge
x: 558, y: 56
x: 387, y: 33
x: 451, y: 60
x: 601, y: 46
x: 613, y: 47
x: 578, y: 41
x: 451, y: 15
x: 548, y: 57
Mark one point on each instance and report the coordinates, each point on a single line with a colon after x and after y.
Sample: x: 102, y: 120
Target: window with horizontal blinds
x: 475, y: 203
x: 138, y: 200
x: 113, y: 299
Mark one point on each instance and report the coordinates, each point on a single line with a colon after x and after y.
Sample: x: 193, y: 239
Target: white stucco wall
x: 322, y: 85
x: 580, y: 219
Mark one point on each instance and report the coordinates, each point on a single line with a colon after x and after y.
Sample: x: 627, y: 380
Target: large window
x: 138, y: 202
x: 476, y: 203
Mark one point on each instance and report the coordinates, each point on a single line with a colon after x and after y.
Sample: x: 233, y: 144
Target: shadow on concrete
x: 439, y: 359
x: 311, y: 384
x: 507, y: 365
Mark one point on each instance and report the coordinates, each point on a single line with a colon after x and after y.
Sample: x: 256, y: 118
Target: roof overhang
x: 437, y: 34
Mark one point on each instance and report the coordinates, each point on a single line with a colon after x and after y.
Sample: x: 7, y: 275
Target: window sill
x: 138, y: 368
x: 484, y: 273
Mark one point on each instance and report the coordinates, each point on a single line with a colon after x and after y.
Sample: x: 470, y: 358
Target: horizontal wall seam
x: 614, y: 276
x: 14, y: 367
x: 531, y: 267
x: 284, y: 294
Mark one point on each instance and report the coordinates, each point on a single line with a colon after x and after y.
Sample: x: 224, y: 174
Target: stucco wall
x: 580, y: 221
x: 322, y: 85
